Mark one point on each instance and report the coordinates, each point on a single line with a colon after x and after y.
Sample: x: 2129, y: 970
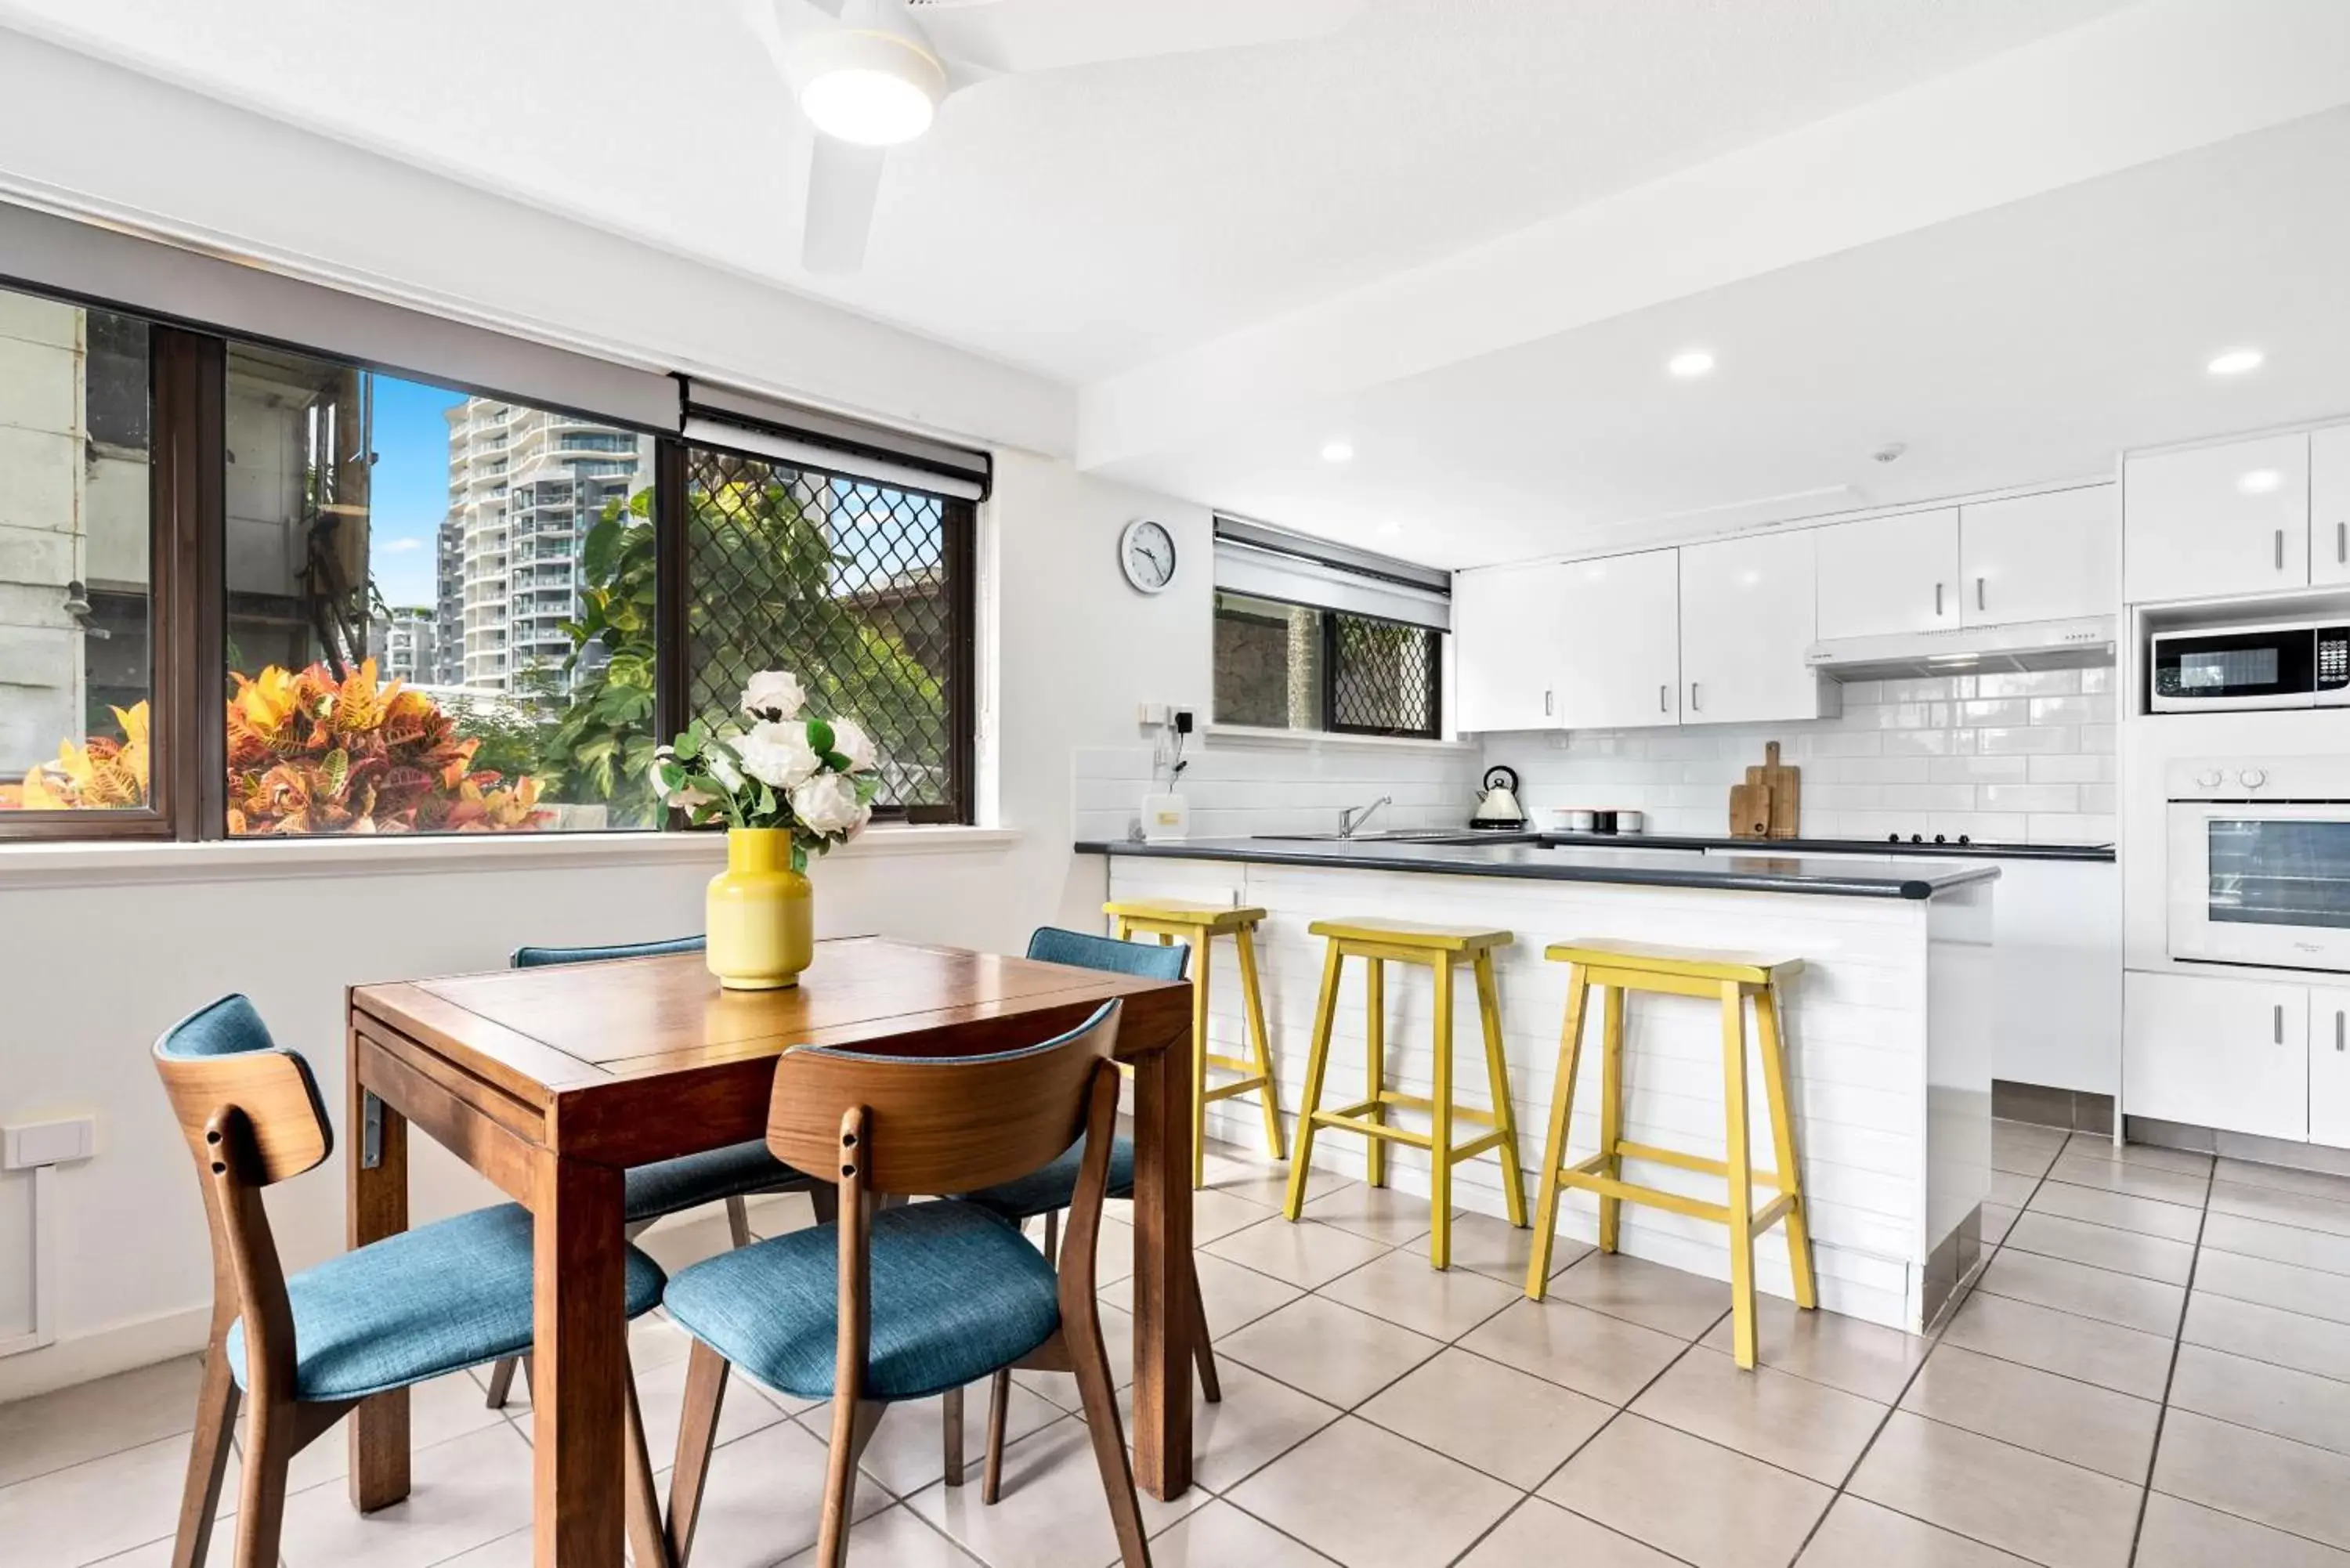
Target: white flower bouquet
x: 812, y: 777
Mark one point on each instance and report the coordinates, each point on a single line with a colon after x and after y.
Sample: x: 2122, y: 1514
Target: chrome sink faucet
x: 1352, y: 817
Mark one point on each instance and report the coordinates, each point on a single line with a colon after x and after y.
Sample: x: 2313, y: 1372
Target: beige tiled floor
x: 2152, y: 1372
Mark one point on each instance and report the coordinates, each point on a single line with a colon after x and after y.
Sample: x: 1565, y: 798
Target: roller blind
x: 812, y: 438
x: 105, y: 266
x: 1275, y: 564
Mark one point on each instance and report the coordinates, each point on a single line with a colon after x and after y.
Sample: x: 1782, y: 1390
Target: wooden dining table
x: 553, y: 1082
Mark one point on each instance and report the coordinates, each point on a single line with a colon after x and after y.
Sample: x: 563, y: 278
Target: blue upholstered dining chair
x: 890, y: 1304
x: 301, y: 1352
x: 1048, y: 1192
x: 669, y: 1187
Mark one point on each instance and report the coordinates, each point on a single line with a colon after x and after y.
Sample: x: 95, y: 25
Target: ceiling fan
x: 870, y: 74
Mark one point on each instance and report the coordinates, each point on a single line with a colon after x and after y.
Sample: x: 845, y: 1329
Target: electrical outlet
x: 1152, y: 715
x: 30, y: 1144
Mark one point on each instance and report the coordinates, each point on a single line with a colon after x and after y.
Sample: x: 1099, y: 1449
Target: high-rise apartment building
x: 405, y: 645
x: 524, y: 486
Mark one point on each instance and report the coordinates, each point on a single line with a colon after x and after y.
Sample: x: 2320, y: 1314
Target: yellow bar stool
x: 1621, y: 968
x: 1441, y: 949
x: 1199, y: 926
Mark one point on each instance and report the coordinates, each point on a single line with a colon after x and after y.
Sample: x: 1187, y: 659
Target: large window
x: 247, y: 591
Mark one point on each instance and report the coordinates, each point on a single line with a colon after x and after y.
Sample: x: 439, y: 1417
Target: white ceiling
x: 1076, y: 221
x: 1536, y: 200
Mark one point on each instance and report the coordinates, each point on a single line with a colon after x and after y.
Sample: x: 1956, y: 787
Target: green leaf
x: 819, y: 736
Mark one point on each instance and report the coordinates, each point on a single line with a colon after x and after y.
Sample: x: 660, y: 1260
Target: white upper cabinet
x: 2039, y: 557
x: 1623, y: 654
x: 1508, y: 648
x: 2230, y: 519
x: 1748, y: 617
x: 1890, y: 575
x: 2329, y: 505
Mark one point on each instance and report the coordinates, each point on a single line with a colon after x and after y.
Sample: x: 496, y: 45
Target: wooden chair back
x: 938, y: 1124
x: 223, y: 1056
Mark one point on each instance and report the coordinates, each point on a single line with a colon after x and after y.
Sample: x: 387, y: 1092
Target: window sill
x: 86, y: 864
x: 1229, y: 736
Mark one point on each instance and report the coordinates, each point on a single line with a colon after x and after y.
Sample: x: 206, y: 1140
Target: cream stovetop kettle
x: 1498, y: 810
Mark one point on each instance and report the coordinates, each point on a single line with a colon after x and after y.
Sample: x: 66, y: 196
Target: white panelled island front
x: 1888, y: 1032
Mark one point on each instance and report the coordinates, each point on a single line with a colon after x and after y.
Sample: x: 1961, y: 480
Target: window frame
x: 187, y: 599
x: 1329, y: 699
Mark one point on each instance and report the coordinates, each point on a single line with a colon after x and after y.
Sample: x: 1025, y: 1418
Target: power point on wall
x: 32, y: 1144
x: 1151, y: 715
x: 1182, y: 721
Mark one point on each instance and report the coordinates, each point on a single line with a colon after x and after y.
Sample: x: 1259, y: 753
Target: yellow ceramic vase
x: 761, y: 913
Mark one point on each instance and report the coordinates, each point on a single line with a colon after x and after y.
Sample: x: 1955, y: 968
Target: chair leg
x: 1253, y: 998
x: 269, y: 1445
x: 951, y: 1430
x: 1611, y: 1112
x: 502, y: 1378
x: 1204, y: 963
x: 1053, y: 1236
x: 1091, y: 1363
x: 999, y: 1397
x: 1497, y: 1074
x: 1562, y: 1105
x: 646, y: 1541
x: 738, y: 1219
x: 697, y: 1433
x: 1440, y: 1126
x: 853, y: 1423
x: 216, y: 1403
x: 1375, y: 1065
x: 1782, y: 1141
x: 1317, y: 1061
x: 1211, y: 1387
x: 1742, y: 1172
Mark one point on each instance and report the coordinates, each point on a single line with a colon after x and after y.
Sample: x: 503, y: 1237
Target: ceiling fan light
x: 871, y: 87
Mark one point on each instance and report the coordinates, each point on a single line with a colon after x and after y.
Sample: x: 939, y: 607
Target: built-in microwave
x: 2260, y: 861
x: 2299, y: 664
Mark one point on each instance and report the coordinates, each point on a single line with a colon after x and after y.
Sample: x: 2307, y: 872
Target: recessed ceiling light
x: 1694, y: 362
x: 2236, y: 361
x: 1336, y: 452
x: 2258, y: 482
x: 1390, y: 527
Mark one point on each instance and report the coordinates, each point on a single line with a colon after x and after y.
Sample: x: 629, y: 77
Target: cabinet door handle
x: 1664, y: 697
x: 1938, y: 598
x: 1979, y: 595
x: 2342, y: 542
x: 1694, y: 705
x: 1545, y: 704
x: 2338, y: 1029
x: 2280, y: 549
x: 2280, y: 1023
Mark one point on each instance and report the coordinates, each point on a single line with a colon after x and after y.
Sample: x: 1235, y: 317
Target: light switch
x: 29, y: 1143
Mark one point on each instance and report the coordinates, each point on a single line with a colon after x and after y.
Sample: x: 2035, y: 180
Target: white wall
x: 2019, y: 758
x: 1241, y: 786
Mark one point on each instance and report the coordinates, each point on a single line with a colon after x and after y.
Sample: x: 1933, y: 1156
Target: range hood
x: 2026, y: 645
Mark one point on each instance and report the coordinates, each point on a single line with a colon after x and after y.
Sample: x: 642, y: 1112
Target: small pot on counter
x: 1631, y: 821
x: 1571, y: 819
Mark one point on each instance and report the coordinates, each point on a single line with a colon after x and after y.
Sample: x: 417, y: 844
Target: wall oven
x: 2296, y: 664
x: 2260, y: 861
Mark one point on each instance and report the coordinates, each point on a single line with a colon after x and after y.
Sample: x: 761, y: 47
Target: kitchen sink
x: 1400, y: 835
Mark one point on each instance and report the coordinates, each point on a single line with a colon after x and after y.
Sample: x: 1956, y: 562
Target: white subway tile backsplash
x: 2023, y: 756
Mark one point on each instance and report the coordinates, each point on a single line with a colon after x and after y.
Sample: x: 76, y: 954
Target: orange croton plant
x: 308, y: 753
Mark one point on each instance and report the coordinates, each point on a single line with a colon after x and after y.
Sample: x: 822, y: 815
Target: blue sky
x: 411, y: 487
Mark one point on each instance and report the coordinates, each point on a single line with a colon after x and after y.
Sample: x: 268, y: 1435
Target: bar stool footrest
x: 1584, y: 1176
x: 1355, y: 1119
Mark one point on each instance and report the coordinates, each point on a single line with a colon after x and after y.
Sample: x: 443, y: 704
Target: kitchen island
x: 1888, y: 1029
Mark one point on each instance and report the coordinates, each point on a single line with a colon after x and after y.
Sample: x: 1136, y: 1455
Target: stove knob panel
x: 2252, y: 778
x: 2210, y: 780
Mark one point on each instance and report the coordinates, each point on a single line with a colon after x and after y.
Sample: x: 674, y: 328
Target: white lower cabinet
x: 2228, y: 1054
x: 2329, y: 1066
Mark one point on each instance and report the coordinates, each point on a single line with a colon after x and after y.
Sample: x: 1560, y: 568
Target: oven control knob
x: 2252, y: 778
x: 2210, y: 780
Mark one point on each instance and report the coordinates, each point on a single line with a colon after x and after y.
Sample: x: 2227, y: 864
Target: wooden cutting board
x: 1750, y: 809
x: 1785, y: 786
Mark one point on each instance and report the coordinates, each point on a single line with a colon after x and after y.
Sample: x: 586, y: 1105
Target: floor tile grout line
x: 2170, y: 1373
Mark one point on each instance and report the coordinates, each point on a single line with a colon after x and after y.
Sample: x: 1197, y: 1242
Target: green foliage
x: 601, y: 748
x: 513, y: 742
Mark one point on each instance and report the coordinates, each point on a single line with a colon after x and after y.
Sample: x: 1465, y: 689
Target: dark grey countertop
x: 1766, y: 873
x: 2090, y: 852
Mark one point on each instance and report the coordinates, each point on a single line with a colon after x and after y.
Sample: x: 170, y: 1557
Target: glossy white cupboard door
x: 1747, y: 616
x: 2329, y: 505
x: 1890, y: 575
x: 2227, y: 1053
x: 1507, y: 647
x: 2230, y: 519
x: 2039, y: 557
x: 2329, y: 1066
x: 1620, y: 618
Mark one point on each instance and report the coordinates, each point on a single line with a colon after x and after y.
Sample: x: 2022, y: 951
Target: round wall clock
x: 1145, y: 553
